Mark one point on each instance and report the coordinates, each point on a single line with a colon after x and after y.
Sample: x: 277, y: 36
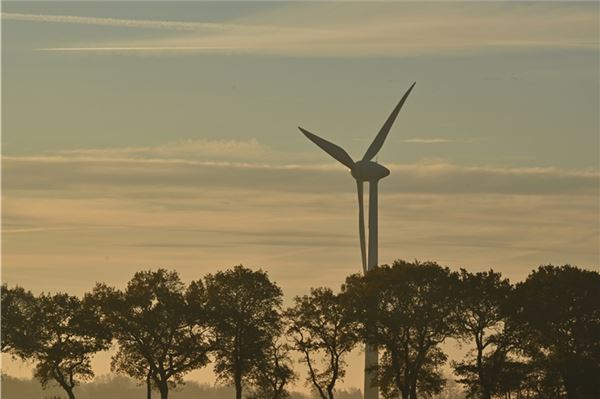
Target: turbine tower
x: 365, y: 170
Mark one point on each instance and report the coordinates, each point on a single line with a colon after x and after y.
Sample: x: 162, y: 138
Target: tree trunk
x: 148, y: 387
x: 413, y: 390
x: 237, y: 366
x: 59, y: 377
x: 482, y: 378
x: 238, y: 384
x: 70, y: 392
x: 164, y: 390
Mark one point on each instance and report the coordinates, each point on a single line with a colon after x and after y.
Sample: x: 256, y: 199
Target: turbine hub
x: 368, y: 171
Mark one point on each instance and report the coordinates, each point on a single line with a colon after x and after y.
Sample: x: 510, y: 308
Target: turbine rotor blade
x: 361, y: 226
x: 385, y: 129
x: 335, y: 151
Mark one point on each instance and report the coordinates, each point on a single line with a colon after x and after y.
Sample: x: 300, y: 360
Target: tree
x: 19, y: 320
x: 558, y: 312
x: 324, y: 334
x: 68, y: 334
x: 528, y: 380
x: 483, y: 320
x: 161, y: 329
x: 429, y: 381
x: 407, y: 310
x: 271, y: 376
x: 244, y: 308
x: 130, y: 362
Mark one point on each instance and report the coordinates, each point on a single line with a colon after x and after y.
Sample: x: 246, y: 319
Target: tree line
x: 538, y: 339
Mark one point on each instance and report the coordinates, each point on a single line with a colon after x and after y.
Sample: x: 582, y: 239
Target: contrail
x: 128, y: 23
x: 141, y: 49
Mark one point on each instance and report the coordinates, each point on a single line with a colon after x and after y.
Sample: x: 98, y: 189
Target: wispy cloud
x: 126, y: 23
x: 363, y: 29
x: 207, y: 152
x: 186, y: 149
x: 141, y: 167
x: 427, y: 141
x: 133, y: 49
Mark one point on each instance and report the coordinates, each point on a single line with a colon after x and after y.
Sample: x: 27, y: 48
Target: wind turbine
x: 365, y: 170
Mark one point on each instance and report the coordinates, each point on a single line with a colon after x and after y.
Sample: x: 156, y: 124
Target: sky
x: 146, y: 134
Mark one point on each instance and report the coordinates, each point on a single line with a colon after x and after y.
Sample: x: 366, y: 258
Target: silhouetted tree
x: 130, y: 362
x: 273, y: 374
x: 430, y: 381
x: 528, y: 380
x: 67, y: 335
x: 324, y: 334
x: 244, y: 309
x: 558, y: 311
x: 407, y: 310
x: 19, y: 321
x: 161, y: 329
x: 483, y: 320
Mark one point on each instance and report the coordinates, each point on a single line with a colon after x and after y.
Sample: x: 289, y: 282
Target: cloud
x: 187, y: 149
x: 132, y: 168
x: 126, y: 23
x: 132, y: 49
x: 427, y: 141
x: 363, y: 30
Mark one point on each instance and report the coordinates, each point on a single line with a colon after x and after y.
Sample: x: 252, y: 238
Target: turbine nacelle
x: 369, y: 171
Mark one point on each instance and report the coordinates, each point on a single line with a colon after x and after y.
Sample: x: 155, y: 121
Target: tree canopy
x: 244, y: 307
x: 558, y: 309
x: 65, y: 335
x: 407, y: 310
x: 324, y: 334
x: 484, y: 321
x: 161, y: 329
x: 19, y: 321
